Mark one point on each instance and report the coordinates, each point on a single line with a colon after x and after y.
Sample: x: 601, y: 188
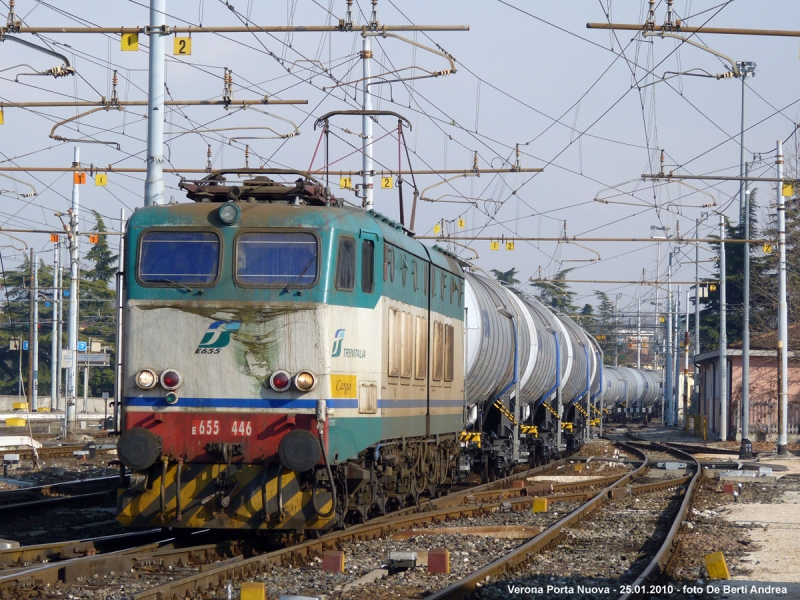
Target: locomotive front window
x: 271, y: 259
x: 179, y: 257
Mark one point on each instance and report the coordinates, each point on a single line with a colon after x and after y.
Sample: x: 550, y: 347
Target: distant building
x: 763, y: 423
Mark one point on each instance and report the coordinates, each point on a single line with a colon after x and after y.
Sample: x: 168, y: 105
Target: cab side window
x: 346, y: 264
x: 367, y: 266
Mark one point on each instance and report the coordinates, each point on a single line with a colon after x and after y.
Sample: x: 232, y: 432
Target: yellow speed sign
x: 767, y: 248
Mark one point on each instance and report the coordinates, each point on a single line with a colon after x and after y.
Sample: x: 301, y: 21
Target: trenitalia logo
x: 338, y: 338
x: 218, y: 334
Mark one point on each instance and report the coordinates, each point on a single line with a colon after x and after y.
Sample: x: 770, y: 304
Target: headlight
x: 146, y: 379
x: 229, y: 213
x: 171, y: 379
x: 305, y: 381
x: 280, y: 381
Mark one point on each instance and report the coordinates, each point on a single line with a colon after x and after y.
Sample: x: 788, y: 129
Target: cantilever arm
x: 734, y: 68
x: 67, y: 69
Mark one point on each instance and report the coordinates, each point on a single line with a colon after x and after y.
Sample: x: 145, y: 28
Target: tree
x: 103, y: 262
x: 555, y: 293
x: 763, y: 270
x: 97, y: 318
x: 764, y: 277
x: 509, y: 277
x: 586, y: 316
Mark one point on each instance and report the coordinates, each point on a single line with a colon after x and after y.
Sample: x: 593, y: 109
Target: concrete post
x: 154, y: 184
x: 667, y: 409
x: 366, y: 126
x: 746, y: 448
x: 72, y: 328
x: 54, y: 364
x: 723, y: 337
x: 35, y: 330
x: 783, y: 332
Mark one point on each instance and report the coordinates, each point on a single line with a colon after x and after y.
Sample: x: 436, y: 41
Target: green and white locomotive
x: 293, y: 364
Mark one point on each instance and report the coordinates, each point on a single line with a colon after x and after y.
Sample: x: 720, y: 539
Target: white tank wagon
x: 584, y: 370
x: 554, y: 355
x: 623, y: 384
x: 492, y: 313
x: 652, y: 390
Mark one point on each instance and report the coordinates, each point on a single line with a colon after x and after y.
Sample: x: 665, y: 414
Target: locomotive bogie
x: 209, y: 497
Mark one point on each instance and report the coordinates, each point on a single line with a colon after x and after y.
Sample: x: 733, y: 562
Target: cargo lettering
x: 343, y: 386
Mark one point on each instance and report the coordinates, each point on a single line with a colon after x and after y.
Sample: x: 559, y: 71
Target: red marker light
x: 171, y: 379
x: 280, y: 381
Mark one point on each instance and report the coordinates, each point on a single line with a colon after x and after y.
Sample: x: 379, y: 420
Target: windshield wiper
x: 303, y: 272
x: 174, y: 284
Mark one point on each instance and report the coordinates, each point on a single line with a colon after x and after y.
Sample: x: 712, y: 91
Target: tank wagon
x: 291, y: 364
x: 631, y: 392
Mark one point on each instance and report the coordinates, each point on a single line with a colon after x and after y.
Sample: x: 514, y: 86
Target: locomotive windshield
x: 183, y: 257
x: 276, y: 259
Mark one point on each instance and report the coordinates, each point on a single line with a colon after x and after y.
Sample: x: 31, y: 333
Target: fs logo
x: 218, y: 336
x: 338, y: 338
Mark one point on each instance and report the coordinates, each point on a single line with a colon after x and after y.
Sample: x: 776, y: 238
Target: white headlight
x: 146, y: 379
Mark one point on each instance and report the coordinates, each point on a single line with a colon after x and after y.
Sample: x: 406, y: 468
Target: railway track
x: 158, y: 569
x: 580, y: 551
x: 83, y: 490
x: 47, y: 564
x: 495, y: 503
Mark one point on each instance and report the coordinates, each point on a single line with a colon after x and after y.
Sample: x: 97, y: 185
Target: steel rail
x: 57, y: 451
x: 74, y: 570
x: 57, y: 489
x: 46, y: 502
x: 522, y: 554
x: 64, y: 571
x: 700, y: 449
x: 72, y: 548
x: 660, y: 562
x: 501, y: 487
x: 373, y: 529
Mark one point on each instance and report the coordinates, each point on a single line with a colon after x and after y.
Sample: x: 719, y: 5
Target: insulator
x: 247, y: 157
x: 475, y: 161
x: 114, y: 82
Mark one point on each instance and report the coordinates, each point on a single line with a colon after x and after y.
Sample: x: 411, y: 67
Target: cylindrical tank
x: 490, y: 310
x: 613, y: 386
x: 652, y: 387
x: 490, y: 339
x: 548, y: 328
x: 584, y: 363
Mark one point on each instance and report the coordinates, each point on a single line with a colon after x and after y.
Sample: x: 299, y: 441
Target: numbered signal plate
x: 182, y: 46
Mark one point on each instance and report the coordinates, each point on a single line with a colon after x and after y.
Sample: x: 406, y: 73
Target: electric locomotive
x: 288, y: 362
x: 293, y: 364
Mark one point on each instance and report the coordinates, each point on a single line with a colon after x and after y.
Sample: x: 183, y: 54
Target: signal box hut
x: 763, y: 424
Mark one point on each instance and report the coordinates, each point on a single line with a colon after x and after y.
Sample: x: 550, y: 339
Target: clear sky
x: 593, y: 108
